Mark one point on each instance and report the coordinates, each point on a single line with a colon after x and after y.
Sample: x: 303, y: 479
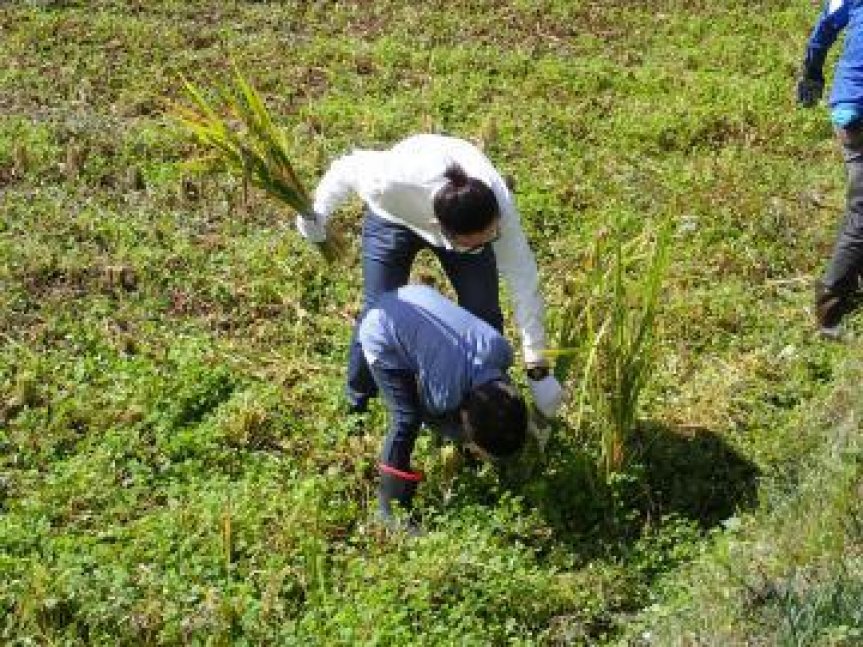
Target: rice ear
x: 243, y: 135
x: 608, y: 326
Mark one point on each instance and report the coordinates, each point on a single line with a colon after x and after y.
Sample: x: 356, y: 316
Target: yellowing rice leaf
x: 244, y: 137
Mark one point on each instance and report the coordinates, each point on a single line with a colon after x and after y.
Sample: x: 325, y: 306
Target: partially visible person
x: 436, y: 363
x: 837, y: 287
x: 442, y: 194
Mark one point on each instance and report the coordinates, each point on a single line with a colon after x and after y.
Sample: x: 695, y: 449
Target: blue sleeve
x: 833, y: 19
x: 399, y: 391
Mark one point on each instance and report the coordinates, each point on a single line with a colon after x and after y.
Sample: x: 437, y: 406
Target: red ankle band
x: 406, y: 476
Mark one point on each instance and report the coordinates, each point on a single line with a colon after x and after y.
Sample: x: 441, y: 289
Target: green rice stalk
x: 608, y: 326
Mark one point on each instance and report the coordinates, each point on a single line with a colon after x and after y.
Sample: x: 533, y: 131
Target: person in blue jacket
x: 841, y: 279
x: 436, y: 363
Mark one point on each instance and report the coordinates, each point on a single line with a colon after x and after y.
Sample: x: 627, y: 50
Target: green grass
x: 790, y: 573
x: 174, y: 467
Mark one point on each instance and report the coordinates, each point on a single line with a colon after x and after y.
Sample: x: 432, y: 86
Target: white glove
x: 312, y: 227
x: 547, y: 395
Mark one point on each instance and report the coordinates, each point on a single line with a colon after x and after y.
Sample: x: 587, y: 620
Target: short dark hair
x: 465, y: 205
x: 496, y: 418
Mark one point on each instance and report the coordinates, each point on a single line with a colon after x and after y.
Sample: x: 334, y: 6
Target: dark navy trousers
x: 846, y: 265
x: 388, y: 251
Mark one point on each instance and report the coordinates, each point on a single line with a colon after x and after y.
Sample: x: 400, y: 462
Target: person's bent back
x: 434, y: 361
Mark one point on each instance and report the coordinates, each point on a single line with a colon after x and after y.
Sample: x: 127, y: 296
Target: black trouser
x: 846, y: 265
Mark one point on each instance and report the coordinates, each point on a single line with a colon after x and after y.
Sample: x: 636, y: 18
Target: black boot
x: 400, y: 487
x: 830, y: 307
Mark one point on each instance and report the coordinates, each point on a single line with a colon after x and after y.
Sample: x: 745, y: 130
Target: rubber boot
x: 398, y: 486
x: 830, y: 307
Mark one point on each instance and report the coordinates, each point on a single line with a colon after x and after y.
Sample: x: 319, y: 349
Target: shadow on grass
x: 631, y: 528
x: 692, y: 472
x: 689, y: 473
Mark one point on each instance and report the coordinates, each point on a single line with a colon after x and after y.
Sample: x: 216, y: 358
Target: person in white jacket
x: 443, y: 194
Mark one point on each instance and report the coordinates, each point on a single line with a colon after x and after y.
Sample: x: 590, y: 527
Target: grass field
x: 174, y: 464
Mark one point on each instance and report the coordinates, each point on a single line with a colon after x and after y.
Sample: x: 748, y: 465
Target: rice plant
x: 607, y: 327
x: 244, y: 137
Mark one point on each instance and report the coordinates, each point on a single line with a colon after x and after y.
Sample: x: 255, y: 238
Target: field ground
x: 174, y: 465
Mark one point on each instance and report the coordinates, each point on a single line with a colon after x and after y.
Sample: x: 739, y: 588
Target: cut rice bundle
x: 242, y: 133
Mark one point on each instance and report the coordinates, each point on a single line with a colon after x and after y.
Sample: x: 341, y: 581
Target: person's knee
x: 488, y: 309
x: 488, y: 312
x: 851, y: 235
x: 496, y: 320
x: 855, y: 187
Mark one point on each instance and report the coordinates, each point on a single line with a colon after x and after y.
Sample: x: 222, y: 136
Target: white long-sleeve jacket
x: 399, y: 185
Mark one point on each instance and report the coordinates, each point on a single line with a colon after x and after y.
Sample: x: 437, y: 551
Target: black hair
x: 464, y: 205
x: 496, y: 418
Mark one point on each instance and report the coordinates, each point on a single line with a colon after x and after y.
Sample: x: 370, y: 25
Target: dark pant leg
x: 388, y: 250
x: 398, y: 388
x: 844, y: 269
x: 475, y: 280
